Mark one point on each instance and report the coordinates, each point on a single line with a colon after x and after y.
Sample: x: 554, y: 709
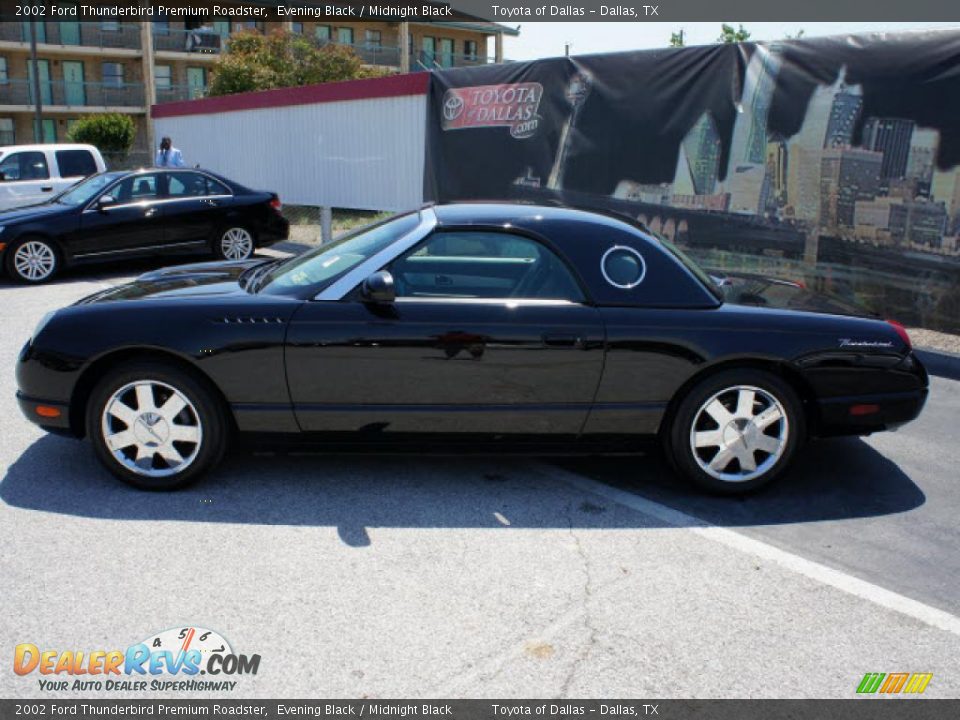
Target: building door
x: 196, y: 82
x: 41, y: 29
x: 46, y: 87
x: 69, y: 33
x: 73, y: 87
x: 49, y: 127
x: 428, y: 56
x: 446, y: 52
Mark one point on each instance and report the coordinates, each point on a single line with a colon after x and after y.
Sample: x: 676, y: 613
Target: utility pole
x: 37, y: 102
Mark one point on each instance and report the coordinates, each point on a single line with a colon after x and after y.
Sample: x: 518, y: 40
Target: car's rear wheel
x: 155, y: 426
x: 33, y: 260
x: 736, y: 431
x: 234, y: 243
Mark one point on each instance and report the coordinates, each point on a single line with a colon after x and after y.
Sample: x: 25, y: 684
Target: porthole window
x: 623, y: 267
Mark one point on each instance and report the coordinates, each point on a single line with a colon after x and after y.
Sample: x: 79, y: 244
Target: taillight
x: 276, y: 204
x: 902, y: 332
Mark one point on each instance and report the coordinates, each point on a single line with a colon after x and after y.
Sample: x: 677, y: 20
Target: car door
x: 194, y: 208
x: 490, y: 333
x: 24, y: 179
x: 132, y: 223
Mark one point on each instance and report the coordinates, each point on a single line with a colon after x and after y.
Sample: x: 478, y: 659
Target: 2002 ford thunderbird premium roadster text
x: 469, y: 323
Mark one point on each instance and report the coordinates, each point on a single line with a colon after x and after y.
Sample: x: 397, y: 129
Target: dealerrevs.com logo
x: 168, y: 661
x: 512, y: 105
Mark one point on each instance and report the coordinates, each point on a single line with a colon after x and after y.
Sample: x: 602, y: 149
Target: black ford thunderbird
x: 480, y: 325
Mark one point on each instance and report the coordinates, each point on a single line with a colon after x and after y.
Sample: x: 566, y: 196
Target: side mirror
x: 105, y: 201
x: 379, y: 288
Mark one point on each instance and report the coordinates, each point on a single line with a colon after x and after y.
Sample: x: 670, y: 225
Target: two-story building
x: 110, y: 66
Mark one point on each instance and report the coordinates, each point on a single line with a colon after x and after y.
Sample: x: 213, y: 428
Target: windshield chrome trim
x: 342, y: 287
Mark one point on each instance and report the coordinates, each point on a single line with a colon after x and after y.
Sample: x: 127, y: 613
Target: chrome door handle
x: 149, y: 212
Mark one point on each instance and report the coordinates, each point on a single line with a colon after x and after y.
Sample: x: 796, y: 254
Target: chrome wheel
x: 236, y: 244
x: 151, y: 428
x: 739, y: 433
x: 34, y: 260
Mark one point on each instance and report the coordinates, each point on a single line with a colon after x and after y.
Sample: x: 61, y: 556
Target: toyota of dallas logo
x: 512, y: 105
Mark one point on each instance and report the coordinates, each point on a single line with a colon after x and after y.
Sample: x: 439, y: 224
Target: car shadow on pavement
x: 831, y: 479
x: 839, y: 479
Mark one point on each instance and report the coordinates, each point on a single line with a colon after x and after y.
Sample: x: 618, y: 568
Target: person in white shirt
x: 168, y: 155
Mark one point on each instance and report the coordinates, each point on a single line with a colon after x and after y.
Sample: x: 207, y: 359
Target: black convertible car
x: 473, y: 324
x: 116, y: 215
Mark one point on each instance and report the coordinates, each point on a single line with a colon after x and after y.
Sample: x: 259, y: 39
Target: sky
x: 547, y: 39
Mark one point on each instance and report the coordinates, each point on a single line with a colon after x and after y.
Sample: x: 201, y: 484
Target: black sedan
x: 466, y: 326
x: 117, y: 215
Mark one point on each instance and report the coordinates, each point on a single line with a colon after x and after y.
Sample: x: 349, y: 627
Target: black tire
x: 219, y: 244
x: 47, y: 248
x: 679, y: 443
x: 205, y: 410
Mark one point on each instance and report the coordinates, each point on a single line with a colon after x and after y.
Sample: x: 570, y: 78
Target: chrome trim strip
x: 339, y: 289
x: 141, y: 249
x: 508, y: 302
x: 157, y: 201
x: 632, y: 251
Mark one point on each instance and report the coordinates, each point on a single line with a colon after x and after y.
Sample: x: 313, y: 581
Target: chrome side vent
x: 248, y: 320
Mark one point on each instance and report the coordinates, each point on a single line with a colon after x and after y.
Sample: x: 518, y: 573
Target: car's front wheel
x: 156, y: 426
x: 234, y: 243
x: 33, y: 260
x: 736, y: 431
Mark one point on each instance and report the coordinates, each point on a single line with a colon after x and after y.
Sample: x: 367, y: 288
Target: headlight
x: 42, y: 324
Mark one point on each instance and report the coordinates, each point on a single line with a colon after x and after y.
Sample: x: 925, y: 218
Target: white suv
x: 31, y: 174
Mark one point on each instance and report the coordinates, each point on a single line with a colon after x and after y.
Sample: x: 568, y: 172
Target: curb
x: 940, y: 363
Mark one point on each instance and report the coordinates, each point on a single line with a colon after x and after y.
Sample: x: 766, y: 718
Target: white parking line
x: 813, y: 570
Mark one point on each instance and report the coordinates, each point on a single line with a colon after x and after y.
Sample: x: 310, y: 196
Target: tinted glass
x: 488, y: 265
x: 321, y: 266
x: 86, y: 190
x: 25, y: 166
x: 135, y: 188
x: 76, y: 163
x: 215, y: 187
x: 184, y: 184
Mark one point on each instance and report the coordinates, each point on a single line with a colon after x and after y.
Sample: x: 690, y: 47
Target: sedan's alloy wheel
x: 35, y: 260
x: 739, y: 433
x: 151, y: 428
x: 236, y: 244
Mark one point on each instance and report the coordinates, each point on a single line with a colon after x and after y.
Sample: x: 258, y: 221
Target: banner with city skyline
x: 833, y: 162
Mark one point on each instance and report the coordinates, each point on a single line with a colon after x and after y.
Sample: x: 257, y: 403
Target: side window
x: 25, y: 166
x: 76, y: 163
x: 185, y: 184
x: 216, y: 188
x: 135, y: 188
x: 488, y: 265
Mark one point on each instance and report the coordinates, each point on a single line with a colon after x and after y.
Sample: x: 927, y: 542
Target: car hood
x: 32, y: 212
x: 183, y: 281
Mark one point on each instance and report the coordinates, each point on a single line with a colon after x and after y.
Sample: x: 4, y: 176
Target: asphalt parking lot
x: 388, y: 577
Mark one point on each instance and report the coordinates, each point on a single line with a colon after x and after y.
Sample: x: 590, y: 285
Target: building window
x: 110, y: 26
x: 297, y: 27
x: 322, y: 33
x: 446, y: 52
x: 49, y: 134
x: 372, y: 38
x: 470, y: 49
x: 345, y: 36
x: 162, y: 76
x: 161, y: 23
x: 8, y: 135
x: 222, y: 28
x: 4, y: 78
x: 112, y: 74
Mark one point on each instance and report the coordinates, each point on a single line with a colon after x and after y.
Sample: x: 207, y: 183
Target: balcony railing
x: 73, y: 94
x: 174, y: 93
x: 80, y: 34
x: 426, y: 60
x: 192, y: 41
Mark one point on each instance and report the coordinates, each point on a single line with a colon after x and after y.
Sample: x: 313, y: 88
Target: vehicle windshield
x: 83, y: 192
x: 692, y: 266
x: 322, y: 266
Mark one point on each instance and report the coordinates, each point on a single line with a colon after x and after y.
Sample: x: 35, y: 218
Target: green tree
x: 676, y: 39
x: 730, y: 35
x: 110, y: 133
x: 282, y: 59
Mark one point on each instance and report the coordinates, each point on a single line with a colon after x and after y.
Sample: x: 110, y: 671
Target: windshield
x: 85, y: 191
x: 320, y: 267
